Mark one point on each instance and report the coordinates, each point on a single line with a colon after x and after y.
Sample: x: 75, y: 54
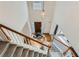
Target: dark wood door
x: 37, y: 27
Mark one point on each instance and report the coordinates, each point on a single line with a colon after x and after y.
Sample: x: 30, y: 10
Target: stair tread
x: 25, y: 52
x: 18, y: 52
x: 36, y: 54
x: 30, y: 53
x: 10, y: 50
x: 3, y: 46
x: 40, y: 55
x: 44, y: 55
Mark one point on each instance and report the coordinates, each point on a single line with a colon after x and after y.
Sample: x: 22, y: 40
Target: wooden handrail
x: 5, y: 34
x: 22, y: 35
x: 66, y: 51
x: 74, y: 52
x: 69, y: 48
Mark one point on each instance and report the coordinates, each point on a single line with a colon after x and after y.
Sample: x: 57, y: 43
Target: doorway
x: 37, y: 26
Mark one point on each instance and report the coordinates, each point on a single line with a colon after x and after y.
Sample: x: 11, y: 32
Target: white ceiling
x: 36, y: 15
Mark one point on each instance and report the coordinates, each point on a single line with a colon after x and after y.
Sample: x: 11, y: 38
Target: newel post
x: 48, y: 52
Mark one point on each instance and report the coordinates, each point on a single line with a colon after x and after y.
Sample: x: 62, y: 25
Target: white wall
x: 13, y: 14
x: 36, y: 15
x: 27, y: 29
x: 67, y: 17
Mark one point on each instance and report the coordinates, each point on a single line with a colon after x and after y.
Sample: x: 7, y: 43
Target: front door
x: 37, y: 26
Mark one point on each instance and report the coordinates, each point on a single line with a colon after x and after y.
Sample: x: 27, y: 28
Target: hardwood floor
x: 46, y: 39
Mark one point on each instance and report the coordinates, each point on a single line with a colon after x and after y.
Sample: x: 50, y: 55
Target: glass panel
x: 37, y: 5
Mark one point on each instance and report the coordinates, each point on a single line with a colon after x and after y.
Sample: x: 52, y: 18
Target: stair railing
x: 69, y: 48
x: 17, y: 37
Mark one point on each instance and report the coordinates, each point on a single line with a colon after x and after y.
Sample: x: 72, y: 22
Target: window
x: 37, y: 5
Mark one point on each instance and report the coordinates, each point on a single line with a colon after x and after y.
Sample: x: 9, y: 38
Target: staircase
x: 16, y: 44
x: 8, y: 49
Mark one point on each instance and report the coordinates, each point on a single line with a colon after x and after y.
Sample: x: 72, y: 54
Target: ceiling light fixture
x: 43, y: 11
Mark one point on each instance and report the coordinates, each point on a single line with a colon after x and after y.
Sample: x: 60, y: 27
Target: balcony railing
x: 66, y: 49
